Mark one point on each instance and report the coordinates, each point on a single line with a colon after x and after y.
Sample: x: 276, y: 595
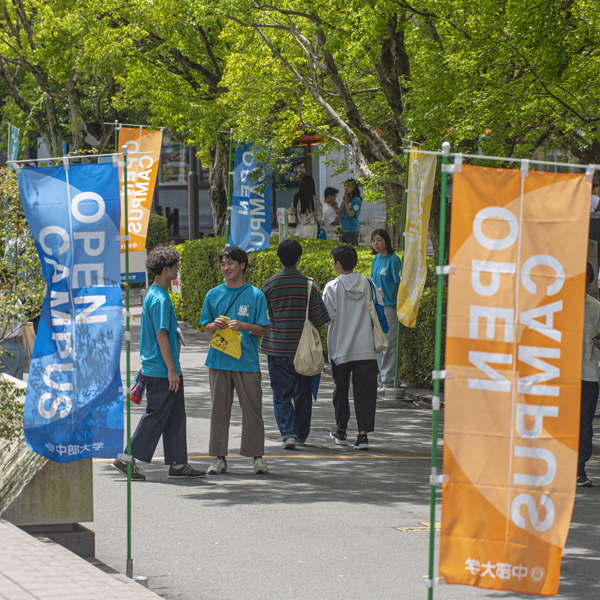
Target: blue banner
x: 74, y: 405
x: 250, y: 208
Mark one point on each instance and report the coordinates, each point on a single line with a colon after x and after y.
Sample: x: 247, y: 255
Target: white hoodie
x: 350, y: 334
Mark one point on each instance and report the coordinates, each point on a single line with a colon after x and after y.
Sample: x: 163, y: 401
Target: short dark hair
x: 160, y: 258
x: 346, y: 255
x: 386, y: 238
x: 236, y: 254
x: 330, y: 191
x: 589, y: 276
x: 289, y: 251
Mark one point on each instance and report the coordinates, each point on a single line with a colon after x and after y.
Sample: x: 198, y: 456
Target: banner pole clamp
x: 65, y: 160
x: 441, y: 375
x: 124, y: 457
x: 456, y: 167
x: 125, y: 390
x: 435, y: 403
x: 435, y: 479
x: 589, y: 172
x: 123, y: 238
x: 525, y: 168
x: 127, y: 336
x: 436, y: 581
x: 445, y: 270
x: 125, y: 313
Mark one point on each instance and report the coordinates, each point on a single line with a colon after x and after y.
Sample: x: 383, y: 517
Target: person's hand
x: 237, y: 325
x: 220, y: 323
x: 173, y: 378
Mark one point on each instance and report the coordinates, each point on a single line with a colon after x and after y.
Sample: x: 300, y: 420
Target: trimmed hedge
x: 200, y: 272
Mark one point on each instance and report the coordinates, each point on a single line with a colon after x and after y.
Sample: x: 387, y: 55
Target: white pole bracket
x: 441, y: 375
x: 124, y: 390
x: 589, y: 173
x: 123, y: 238
x: 436, y: 581
x: 124, y: 457
x: 445, y: 270
x: 525, y: 168
x: 435, y: 403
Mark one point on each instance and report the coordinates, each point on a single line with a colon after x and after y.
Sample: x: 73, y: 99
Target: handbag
x: 379, y: 308
x: 309, y: 359
x: 379, y: 338
x: 292, y: 217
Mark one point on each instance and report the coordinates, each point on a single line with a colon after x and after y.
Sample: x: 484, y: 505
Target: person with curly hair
x: 159, y: 351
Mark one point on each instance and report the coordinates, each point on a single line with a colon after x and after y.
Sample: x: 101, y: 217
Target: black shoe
x: 362, y: 442
x: 583, y: 481
x: 186, y: 472
x: 339, y: 437
x: 136, y: 474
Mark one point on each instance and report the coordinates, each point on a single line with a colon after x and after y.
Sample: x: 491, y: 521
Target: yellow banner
x: 513, y: 347
x: 421, y: 178
x: 142, y: 170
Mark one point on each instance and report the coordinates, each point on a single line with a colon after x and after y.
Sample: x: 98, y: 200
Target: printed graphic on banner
x: 13, y: 144
x: 250, y: 206
x: 142, y: 170
x: 514, y: 347
x: 73, y: 408
x: 421, y: 178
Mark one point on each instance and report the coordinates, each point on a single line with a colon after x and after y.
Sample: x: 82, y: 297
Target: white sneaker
x: 218, y: 467
x: 260, y: 466
x: 289, y: 443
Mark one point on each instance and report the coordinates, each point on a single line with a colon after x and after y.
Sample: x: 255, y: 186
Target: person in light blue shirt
x: 350, y: 211
x: 386, y: 273
x: 161, y: 373
x: 240, y: 307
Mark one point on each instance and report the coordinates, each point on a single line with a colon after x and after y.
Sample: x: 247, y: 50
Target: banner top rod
x: 503, y: 159
x: 133, y: 125
x: 74, y: 157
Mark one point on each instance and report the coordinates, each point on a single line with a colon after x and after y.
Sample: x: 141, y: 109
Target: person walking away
x: 589, y: 380
x: 237, y: 306
x: 351, y: 346
x: 350, y: 211
x: 330, y: 207
x: 386, y: 271
x: 308, y: 209
x: 159, y: 352
x: 287, y: 295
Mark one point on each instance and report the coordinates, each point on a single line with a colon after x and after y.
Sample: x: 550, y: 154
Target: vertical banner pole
x: 116, y: 136
x: 403, y: 221
x: 129, y: 570
x: 437, y: 360
x: 229, y: 190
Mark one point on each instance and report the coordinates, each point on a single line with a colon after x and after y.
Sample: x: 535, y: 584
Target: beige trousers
x: 249, y: 393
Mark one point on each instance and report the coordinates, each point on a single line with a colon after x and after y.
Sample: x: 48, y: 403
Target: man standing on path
x: 238, y: 306
x: 330, y: 208
x: 351, y: 346
x: 287, y: 295
x: 159, y: 351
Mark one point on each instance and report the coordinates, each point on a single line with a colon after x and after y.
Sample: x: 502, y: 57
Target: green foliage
x: 158, y: 232
x: 11, y: 411
x: 200, y: 272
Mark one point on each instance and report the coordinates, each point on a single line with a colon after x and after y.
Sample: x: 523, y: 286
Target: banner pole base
x: 129, y: 568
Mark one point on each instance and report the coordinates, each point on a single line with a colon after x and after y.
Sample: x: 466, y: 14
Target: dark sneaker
x: 136, y: 474
x: 583, y: 481
x: 339, y: 437
x: 362, y: 442
x: 186, y: 472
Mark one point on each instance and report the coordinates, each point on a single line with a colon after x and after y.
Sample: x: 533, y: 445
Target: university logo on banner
x: 513, y: 348
x: 142, y: 170
x: 74, y: 403
x: 251, y: 204
x: 421, y: 178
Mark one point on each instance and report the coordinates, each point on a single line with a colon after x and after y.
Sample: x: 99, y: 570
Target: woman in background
x: 308, y: 209
x: 386, y: 274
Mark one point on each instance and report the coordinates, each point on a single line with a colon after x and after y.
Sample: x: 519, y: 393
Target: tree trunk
x: 218, y: 185
x: 434, y: 225
x: 394, y: 202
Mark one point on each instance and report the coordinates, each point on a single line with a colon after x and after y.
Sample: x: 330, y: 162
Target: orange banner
x: 513, y: 348
x: 142, y: 170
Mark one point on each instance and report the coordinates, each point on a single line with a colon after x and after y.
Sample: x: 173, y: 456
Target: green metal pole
x: 397, y: 377
x: 229, y: 190
x: 437, y: 360
x: 129, y: 570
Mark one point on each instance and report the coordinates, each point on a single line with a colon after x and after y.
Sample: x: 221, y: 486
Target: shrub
x: 200, y: 272
x: 158, y: 232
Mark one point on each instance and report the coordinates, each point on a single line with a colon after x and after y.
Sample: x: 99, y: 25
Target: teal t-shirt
x: 247, y: 304
x: 351, y: 223
x: 157, y: 314
x: 386, y: 273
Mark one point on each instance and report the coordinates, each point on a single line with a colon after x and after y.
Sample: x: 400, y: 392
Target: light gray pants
x: 386, y: 360
x: 249, y: 393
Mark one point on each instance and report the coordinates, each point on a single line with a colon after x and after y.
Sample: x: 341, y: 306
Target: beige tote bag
x: 309, y: 359
x: 379, y: 338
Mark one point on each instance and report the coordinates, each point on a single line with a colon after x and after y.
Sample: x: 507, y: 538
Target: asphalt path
x: 325, y: 523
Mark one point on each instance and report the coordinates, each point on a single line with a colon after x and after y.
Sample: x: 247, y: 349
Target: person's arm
x: 162, y: 337
x: 350, y: 212
x: 252, y: 328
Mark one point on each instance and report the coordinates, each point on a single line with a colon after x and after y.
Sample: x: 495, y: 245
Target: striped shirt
x: 286, y: 295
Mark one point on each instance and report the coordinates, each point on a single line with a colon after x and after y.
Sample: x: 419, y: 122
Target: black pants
x: 165, y: 415
x: 364, y: 384
x: 589, y: 401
